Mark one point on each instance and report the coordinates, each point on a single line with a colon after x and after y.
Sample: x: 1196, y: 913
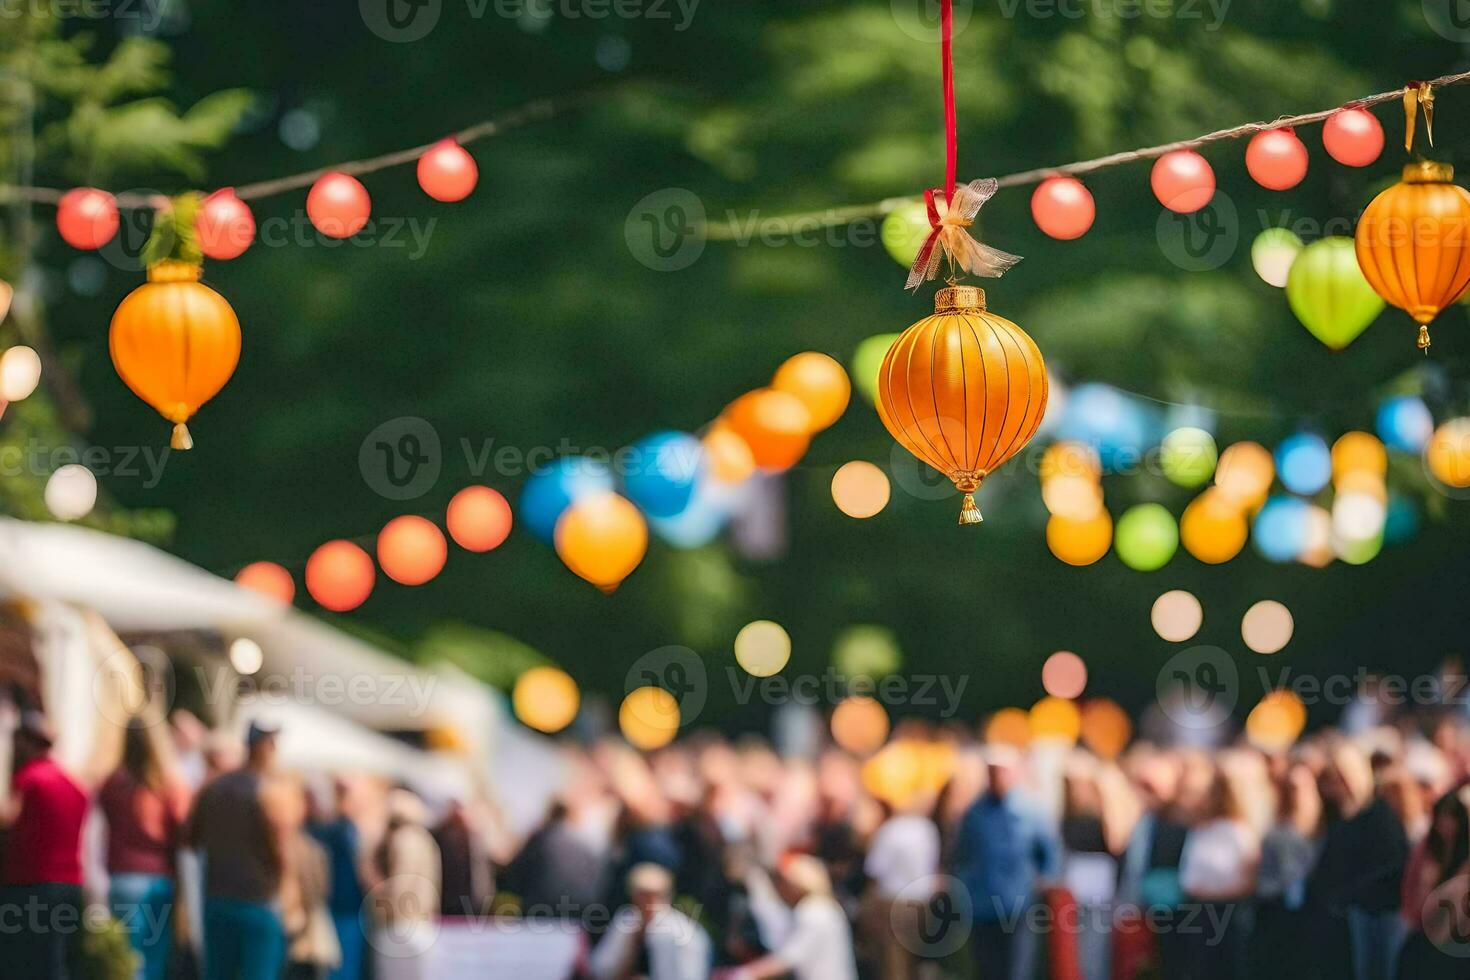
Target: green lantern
x: 1328, y: 293
x: 866, y: 362
x: 1188, y: 456
x: 905, y: 230
x: 1146, y: 537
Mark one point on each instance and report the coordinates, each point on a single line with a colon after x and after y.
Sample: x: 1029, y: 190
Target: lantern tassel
x: 181, y: 438
x: 969, y: 513
x: 1424, y: 338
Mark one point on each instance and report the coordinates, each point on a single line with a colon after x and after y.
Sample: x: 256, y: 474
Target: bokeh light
x: 1064, y: 675
x: 479, y: 519
x: 867, y: 360
x: 546, y: 699
x: 1147, y: 537
x: 819, y: 382
x: 1280, y: 532
x: 1066, y: 457
x: 1106, y: 728
x: 246, y: 656
x: 1304, y: 463
x: 1356, y: 452
x: 71, y: 492
x: 1080, y: 542
x: 1055, y: 718
x: 1404, y: 423
x: 1267, y: 626
x: 1276, y: 721
x: 339, y: 576
x: 1214, y: 527
x: 20, y: 372
x: 411, y: 550
x: 866, y: 650
x: 1009, y: 726
x: 269, y: 579
x: 860, y: 725
x: 649, y: 718
x: 730, y: 459
x: 1188, y: 456
x: 762, y: 648
x: 1448, y: 453
x: 1272, y: 254
x: 1245, y: 472
x: 1316, y: 548
x: 860, y: 489
x: 1177, y: 616
x: 1079, y: 498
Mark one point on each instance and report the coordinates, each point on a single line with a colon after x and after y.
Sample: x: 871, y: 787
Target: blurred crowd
x: 1346, y: 855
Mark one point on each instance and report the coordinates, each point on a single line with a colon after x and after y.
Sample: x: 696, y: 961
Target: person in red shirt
x: 44, y: 812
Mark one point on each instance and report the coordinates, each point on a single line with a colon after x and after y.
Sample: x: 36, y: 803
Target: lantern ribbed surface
x: 964, y: 390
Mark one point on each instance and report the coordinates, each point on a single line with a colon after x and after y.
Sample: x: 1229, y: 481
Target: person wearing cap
x: 649, y: 937
x: 801, y: 922
x: 44, y: 812
x: 241, y: 825
x: 1004, y: 848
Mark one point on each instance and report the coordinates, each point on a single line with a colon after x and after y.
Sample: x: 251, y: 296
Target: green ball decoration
x: 1273, y: 253
x: 1360, y: 552
x: 1146, y: 537
x: 904, y: 231
x: 1328, y: 293
x: 867, y: 360
x: 866, y: 651
x: 1188, y: 457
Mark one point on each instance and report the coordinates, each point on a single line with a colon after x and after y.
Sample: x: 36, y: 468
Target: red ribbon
x: 951, y: 149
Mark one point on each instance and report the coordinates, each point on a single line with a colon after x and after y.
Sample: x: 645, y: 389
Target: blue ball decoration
x: 662, y: 472
x: 552, y: 490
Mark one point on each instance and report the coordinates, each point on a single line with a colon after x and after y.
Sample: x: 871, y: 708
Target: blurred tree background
x: 521, y: 316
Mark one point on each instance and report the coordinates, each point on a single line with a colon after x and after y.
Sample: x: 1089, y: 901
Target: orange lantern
x: 175, y: 342
x: 411, y: 550
x: 479, y: 519
x: 1413, y: 243
x: 820, y: 383
x: 964, y: 390
x: 776, y: 425
x: 602, y: 538
x: 339, y: 575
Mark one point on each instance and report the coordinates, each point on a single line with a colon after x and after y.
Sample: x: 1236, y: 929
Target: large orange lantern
x: 1413, y: 243
x: 964, y: 390
x: 175, y: 342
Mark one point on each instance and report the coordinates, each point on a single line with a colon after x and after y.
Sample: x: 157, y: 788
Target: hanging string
x: 537, y: 110
x: 946, y: 54
x: 836, y: 216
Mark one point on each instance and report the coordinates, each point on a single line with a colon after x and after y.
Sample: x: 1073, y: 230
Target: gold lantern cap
x: 952, y: 299
x: 1428, y: 172
x: 174, y: 270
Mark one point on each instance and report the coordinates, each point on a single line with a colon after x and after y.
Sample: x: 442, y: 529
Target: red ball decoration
x: 338, y: 205
x: 339, y: 575
x: 1063, y: 208
x: 1276, y: 159
x: 225, y: 225
x: 269, y: 579
x: 447, y: 172
x: 1353, y: 137
x: 1183, y: 181
x: 411, y: 550
x: 479, y: 519
x: 86, y: 217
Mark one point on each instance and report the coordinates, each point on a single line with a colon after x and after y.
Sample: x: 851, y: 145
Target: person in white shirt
x: 903, y: 863
x: 650, y: 938
x: 801, y: 922
x: 1217, y: 871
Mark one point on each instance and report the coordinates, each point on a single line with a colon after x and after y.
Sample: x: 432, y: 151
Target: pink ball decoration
x: 447, y: 172
x: 1183, y: 181
x: 1063, y: 208
x: 1276, y: 159
x: 1353, y: 137
x: 86, y: 217
x: 338, y: 205
x: 225, y: 225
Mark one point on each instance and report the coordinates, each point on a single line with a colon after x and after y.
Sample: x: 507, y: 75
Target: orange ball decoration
x: 447, y: 172
x: 269, y: 579
x: 821, y: 384
x: 1063, y: 208
x: 339, y: 576
x: 602, y: 538
x: 86, y: 217
x: 1214, y: 527
x: 1183, y: 181
x: 730, y: 458
x: 338, y: 205
x: 1276, y: 159
x: 964, y: 390
x: 411, y: 550
x: 1080, y: 542
x: 1413, y: 243
x: 479, y: 519
x: 175, y: 342
x: 225, y: 225
x: 776, y: 425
